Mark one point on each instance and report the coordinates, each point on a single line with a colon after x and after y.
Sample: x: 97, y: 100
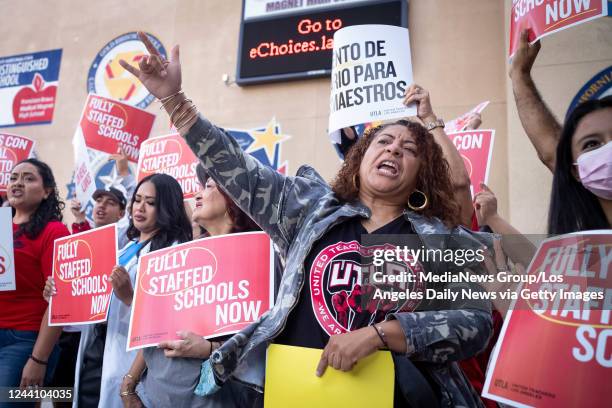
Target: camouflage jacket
x: 296, y: 212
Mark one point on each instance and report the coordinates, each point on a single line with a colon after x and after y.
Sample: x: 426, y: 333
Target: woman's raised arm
x: 275, y: 202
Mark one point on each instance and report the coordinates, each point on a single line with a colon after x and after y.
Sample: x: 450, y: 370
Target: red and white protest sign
x: 170, y: 155
x: 555, y: 352
x: 213, y: 287
x: 84, y: 179
x: 459, y: 124
x: 544, y: 17
x: 82, y: 264
x: 476, y: 148
x: 13, y: 149
x: 107, y: 124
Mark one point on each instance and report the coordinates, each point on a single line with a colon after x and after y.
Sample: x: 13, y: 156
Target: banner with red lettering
x: 13, y: 149
x: 170, y: 155
x: 82, y: 264
x: 107, y: 124
x: 554, y: 348
x: 544, y: 17
x: 476, y: 148
x: 213, y: 287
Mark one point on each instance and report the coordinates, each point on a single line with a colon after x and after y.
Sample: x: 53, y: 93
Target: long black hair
x: 172, y: 221
x: 49, y: 209
x: 572, y: 207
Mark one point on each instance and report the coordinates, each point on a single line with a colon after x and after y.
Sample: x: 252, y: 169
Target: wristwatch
x: 435, y: 124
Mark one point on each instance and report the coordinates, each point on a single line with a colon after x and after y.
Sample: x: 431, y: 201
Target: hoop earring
x: 417, y: 201
x: 355, y: 181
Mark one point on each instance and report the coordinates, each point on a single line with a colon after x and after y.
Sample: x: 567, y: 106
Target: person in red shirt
x: 26, y: 341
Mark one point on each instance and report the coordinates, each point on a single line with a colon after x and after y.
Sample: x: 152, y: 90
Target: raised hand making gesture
x: 160, y: 76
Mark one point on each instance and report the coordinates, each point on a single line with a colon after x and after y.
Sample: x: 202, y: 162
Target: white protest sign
x: 84, y: 182
x: 371, y: 71
x: 7, y: 264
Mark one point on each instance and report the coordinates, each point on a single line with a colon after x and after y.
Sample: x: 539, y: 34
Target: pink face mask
x: 595, y: 169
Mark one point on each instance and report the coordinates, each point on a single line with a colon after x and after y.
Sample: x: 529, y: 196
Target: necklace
x: 378, y: 224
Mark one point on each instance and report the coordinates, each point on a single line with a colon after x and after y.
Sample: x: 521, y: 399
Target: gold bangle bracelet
x: 184, y: 119
x: 195, y: 115
x: 178, y: 107
x: 167, y: 98
x: 182, y: 115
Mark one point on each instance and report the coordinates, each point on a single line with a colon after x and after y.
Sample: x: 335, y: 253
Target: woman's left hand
x: 343, y: 351
x: 132, y: 401
x: 420, y: 96
x: 33, y: 374
x: 122, y: 285
x: 191, y: 345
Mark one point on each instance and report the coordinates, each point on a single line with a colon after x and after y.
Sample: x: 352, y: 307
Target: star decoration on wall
x: 267, y: 139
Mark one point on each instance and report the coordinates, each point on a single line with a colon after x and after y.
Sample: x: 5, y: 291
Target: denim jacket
x: 296, y: 212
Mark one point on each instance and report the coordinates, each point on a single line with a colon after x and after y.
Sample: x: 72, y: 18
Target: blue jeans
x: 15, y: 349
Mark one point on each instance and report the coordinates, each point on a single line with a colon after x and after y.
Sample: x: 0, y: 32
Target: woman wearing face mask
x: 26, y: 341
x: 582, y: 184
x: 158, y: 219
x: 173, y: 368
x: 393, y: 181
x: 579, y: 153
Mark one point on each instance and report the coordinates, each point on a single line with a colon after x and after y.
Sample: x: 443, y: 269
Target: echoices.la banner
x: 213, y: 287
x: 82, y: 264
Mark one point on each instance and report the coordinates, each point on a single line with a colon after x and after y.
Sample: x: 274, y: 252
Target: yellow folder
x: 291, y: 380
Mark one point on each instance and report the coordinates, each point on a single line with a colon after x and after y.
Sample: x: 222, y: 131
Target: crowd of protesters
x: 402, y: 177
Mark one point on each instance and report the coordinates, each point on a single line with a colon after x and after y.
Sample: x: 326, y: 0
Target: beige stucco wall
x: 458, y: 52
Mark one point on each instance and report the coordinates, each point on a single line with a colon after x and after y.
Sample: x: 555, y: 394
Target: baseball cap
x: 113, y: 193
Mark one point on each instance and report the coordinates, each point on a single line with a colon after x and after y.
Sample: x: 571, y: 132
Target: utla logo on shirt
x: 344, y: 291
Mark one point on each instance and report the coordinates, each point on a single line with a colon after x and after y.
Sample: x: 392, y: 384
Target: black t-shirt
x: 338, y: 295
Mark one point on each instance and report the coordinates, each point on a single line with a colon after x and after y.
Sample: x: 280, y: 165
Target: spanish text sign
x: 82, y: 264
x: 108, y: 124
x: 476, y: 148
x: 13, y: 149
x: 170, y: 155
x: 213, y: 287
x: 569, y: 364
x: 369, y: 384
x: 544, y: 17
x: 371, y: 71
